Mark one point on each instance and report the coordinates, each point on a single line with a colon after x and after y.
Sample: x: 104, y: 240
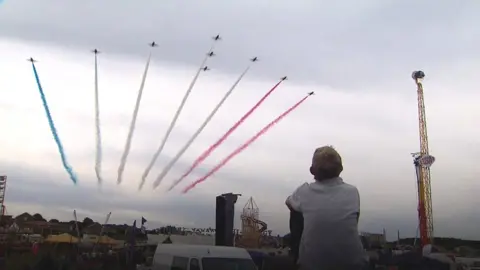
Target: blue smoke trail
x: 63, y: 156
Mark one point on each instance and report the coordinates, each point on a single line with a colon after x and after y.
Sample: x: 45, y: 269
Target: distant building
x: 24, y: 224
x: 24, y: 218
x: 373, y: 240
x: 6, y: 220
x: 34, y: 226
x: 93, y: 229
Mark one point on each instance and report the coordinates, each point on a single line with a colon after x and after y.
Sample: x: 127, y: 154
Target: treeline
x: 119, y: 229
x: 448, y: 243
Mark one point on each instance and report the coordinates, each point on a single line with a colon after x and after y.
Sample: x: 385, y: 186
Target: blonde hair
x: 326, y: 162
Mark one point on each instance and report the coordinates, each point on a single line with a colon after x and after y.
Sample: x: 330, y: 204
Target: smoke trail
x: 128, y: 144
x: 175, y: 117
x: 98, y: 134
x: 245, y: 145
x: 195, y: 135
x: 206, y: 153
x: 63, y: 156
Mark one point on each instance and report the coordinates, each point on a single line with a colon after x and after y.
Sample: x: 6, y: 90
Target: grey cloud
x: 368, y: 43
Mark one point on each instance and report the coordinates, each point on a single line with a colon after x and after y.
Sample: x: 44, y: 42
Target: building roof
x: 24, y: 217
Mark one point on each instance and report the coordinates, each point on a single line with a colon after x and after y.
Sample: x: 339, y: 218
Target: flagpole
x: 143, y: 228
x: 101, y: 230
x: 76, y: 225
x: 132, y: 242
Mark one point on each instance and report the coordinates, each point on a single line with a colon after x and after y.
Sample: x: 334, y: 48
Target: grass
x: 18, y: 261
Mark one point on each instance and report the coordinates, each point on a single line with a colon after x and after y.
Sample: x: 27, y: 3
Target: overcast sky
x: 357, y: 55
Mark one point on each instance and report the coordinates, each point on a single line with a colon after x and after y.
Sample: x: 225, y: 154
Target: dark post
x: 220, y: 221
x: 224, y: 219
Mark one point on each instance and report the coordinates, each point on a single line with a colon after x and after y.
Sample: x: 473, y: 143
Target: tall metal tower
x: 3, y: 186
x: 422, y: 161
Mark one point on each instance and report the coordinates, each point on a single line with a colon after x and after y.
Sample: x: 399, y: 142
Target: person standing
x: 329, y: 209
x: 296, y: 230
x: 35, y: 248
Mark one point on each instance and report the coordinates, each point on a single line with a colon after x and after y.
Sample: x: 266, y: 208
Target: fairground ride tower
x: 252, y: 227
x: 250, y: 213
x: 3, y: 186
x: 422, y: 161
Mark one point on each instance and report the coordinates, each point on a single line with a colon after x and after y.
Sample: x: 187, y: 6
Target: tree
x: 38, y: 217
x: 87, y: 222
x: 53, y: 220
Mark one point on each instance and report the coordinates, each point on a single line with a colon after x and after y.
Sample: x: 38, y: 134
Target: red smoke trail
x: 245, y: 145
x: 214, y: 146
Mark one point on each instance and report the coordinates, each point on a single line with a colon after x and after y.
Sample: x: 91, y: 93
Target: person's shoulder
x: 298, y: 194
x: 345, y: 184
x: 349, y: 188
x: 304, y: 186
x: 300, y: 188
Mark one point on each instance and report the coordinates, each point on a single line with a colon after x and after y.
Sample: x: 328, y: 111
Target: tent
x: 105, y: 240
x: 62, y: 238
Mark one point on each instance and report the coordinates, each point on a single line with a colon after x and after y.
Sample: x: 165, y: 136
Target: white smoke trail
x: 174, y: 120
x: 126, y: 151
x: 98, y: 137
x: 195, y: 135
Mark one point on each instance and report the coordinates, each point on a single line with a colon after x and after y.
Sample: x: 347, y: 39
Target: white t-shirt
x: 330, y: 237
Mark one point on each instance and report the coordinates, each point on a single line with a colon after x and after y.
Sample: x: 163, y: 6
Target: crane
x: 422, y: 162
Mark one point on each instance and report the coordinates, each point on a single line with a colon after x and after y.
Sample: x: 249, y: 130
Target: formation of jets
x: 210, y: 54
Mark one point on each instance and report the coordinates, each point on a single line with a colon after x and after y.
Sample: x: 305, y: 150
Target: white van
x: 199, y: 257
